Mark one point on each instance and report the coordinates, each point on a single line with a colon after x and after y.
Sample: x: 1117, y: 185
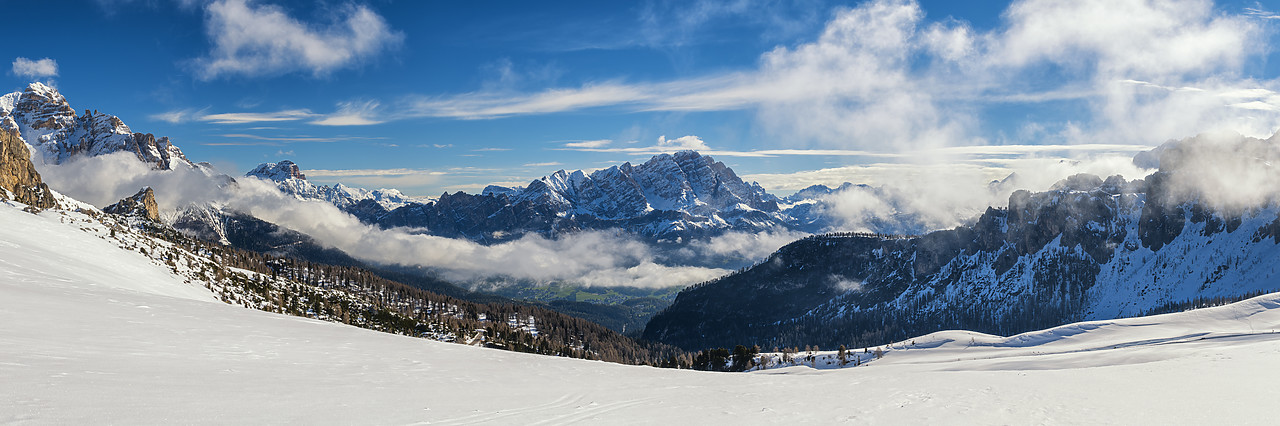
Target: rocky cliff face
x: 143, y: 204
x: 48, y: 123
x: 19, y: 180
x: 1088, y: 249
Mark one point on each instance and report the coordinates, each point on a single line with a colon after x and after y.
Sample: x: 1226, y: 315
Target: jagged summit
x: 47, y: 122
x: 277, y: 171
x: 142, y: 204
x: 363, y: 203
x: 686, y: 182
x: 670, y: 197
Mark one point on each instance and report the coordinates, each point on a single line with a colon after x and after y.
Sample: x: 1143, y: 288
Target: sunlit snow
x: 90, y: 333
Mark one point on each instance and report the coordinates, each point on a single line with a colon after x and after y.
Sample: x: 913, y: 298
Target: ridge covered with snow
x: 57, y: 134
x: 1088, y: 249
x: 289, y: 178
x: 669, y: 198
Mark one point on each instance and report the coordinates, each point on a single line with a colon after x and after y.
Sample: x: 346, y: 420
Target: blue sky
x: 443, y: 96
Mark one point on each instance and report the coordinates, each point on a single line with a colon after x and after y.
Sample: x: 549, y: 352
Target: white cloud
x: 599, y: 143
x: 1259, y: 12
x: 663, y: 145
x: 178, y: 116
x: 258, y: 117
x: 252, y: 39
x: 546, y: 164
x: 287, y: 138
x: 353, y: 114
x: 1126, y: 39
x: 879, y: 77
x: 404, y: 179
x: 41, y: 68
x: 494, y: 105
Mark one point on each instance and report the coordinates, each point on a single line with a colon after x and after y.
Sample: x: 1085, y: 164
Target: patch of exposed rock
x: 142, y: 204
x: 18, y: 177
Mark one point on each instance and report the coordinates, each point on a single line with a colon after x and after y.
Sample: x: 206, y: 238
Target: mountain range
x: 671, y: 198
x: 1089, y: 249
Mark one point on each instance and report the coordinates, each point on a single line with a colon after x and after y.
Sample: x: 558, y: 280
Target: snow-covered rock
x: 289, y: 178
x: 671, y: 197
x: 143, y: 204
x: 51, y: 126
x: 277, y: 171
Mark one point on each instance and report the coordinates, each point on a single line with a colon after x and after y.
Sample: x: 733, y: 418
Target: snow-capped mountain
x: 292, y: 181
x: 1088, y: 249
x: 51, y: 126
x: 670, y: 197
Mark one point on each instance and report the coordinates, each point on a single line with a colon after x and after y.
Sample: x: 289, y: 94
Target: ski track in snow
x: 90, y: 333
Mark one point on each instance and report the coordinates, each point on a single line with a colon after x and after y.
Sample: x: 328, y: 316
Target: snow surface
x: 91, y: 333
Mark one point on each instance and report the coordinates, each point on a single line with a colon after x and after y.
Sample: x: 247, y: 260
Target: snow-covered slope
x: 66, y: 252
x: 90, y: 333
x: 51, y: 126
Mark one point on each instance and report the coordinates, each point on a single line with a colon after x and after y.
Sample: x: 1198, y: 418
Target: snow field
x: 91, y: 333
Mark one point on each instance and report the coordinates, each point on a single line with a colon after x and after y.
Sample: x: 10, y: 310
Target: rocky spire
x: 18, y: 177
x: 142, y: 204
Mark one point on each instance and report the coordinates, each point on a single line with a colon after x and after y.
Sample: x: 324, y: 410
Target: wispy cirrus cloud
x: 252, y: 39
x: 696, y: 143
x: 355, y: 113
x: 257, y: 117
x: 349, y: 113
x: 178, y: 116
x: 246, y: 139
x: 1259, y: 12
x: 400, y: 178
x: 598, y: 143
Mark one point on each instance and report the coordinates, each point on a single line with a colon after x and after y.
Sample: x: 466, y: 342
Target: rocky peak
x: 496, y: 190
x: 811, y: 192
x: 19, y: 180
x: 46, y: 121
x: 46, y: 111
x: 277, y: 171
x: 142, y: 204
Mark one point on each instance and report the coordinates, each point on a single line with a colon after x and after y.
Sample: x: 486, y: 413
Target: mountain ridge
x: 670, y: 198
x: 47, y: 122
x: 1090, y: 248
